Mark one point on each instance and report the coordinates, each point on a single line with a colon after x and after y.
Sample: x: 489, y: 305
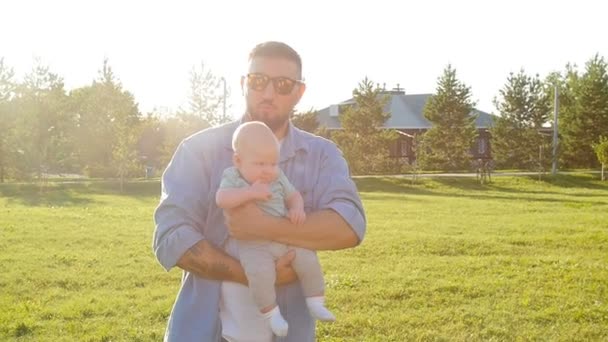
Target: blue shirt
x: 187, y: 213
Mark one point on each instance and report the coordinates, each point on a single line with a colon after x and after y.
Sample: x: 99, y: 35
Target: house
x: 408, y: 120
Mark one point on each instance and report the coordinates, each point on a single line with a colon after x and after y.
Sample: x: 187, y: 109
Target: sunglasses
x: 282, y: 85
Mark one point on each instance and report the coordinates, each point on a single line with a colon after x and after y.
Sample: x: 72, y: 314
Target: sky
x: 152, y: 45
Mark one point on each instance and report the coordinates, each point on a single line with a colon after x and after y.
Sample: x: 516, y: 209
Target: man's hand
x: 285, y: 273
x: 260, y: 191
x: 297, y: 215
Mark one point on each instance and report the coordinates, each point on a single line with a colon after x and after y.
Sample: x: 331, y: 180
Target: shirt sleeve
x: 178, y: 217
x: 338, y: 192
x: 288, y: 188
x: 229, y: 178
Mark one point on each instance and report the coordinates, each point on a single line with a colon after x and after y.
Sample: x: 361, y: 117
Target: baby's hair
x: 250, y: 133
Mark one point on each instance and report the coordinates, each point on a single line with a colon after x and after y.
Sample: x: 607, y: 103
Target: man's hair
x: 277, y: 50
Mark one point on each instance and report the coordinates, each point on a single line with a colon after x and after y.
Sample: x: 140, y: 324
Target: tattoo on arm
x: 206, y: 261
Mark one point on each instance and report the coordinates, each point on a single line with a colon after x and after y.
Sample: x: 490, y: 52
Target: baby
x: 257, y: 177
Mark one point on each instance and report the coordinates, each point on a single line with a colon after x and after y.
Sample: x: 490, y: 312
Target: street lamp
x: 555, y: 130
x: 224, y: 113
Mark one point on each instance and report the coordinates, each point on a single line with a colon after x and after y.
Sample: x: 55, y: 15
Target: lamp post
x: 224, y: 102
x: 555, y: 137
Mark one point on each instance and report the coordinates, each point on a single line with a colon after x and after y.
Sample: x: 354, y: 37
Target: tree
x: 124, y: 152
x: 447, y: 145
x: 7, y: 89
x: 104, y: 112
x: 363, y: 141
x: 523, y: 104
x: 174, y: 130
x: 7, y: 85
x: 206, y: 98
x: 601, y: 151
x: 42, y: 123
x: 150, y: 140
x: 306, y: 121
x: 585, y: 118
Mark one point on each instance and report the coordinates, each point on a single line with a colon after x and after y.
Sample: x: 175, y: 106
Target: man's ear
x: 236, y: 160
x: 243, y: 85
x: 301, y: 90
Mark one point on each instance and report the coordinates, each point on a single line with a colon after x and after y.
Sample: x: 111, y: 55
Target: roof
x: 406, y: 113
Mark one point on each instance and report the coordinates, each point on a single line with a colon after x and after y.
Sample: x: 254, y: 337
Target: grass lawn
x: 446, y: 259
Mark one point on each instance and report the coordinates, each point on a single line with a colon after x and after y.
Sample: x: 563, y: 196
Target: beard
x: 274, y: 121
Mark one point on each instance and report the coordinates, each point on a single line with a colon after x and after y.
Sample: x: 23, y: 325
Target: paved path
x: 472, y: 174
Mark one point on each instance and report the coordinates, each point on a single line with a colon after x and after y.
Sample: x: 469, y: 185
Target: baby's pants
x: 258, y: 259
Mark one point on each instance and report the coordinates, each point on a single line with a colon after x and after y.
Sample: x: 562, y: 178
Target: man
x: 192, y: 232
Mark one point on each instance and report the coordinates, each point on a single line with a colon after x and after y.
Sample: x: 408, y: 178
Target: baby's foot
x: 277, y: 323
x: 316, y: 306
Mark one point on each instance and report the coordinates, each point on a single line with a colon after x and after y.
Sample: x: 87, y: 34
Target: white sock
x: 316, y: 306
x: 277, y: 323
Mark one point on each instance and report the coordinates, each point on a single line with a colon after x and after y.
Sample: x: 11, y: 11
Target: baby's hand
x: 260, y: 191
x: 297, y: 215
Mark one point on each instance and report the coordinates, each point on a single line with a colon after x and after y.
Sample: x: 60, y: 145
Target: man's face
x: 268, y: 105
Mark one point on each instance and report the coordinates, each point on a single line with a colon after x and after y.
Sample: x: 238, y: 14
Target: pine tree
x: 586, y: 118
x: 306, y: 121
x: 523, y: 104
x: 447, y: 145
x: 364, y: 142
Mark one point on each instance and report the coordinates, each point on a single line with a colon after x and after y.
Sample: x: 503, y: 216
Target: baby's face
x: 260, y: 165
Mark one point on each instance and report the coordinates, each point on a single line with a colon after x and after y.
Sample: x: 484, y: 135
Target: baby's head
x: 256, y: 152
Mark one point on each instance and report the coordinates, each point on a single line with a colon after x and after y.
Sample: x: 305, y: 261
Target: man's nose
x: 268, y: 92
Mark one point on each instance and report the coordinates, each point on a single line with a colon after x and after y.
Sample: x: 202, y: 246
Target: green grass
x: 444, y: 260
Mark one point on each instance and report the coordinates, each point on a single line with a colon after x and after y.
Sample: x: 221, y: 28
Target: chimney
x: 397, y: 90
x: 334, y: 110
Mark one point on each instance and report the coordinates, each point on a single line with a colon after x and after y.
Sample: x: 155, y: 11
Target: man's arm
x: 207, y: 261
x: 339, y: 221
x: 177, y: 242
x: 322, y: 230
x: 184, y: 185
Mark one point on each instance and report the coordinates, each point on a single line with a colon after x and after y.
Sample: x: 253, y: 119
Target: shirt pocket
x: 301, y: 173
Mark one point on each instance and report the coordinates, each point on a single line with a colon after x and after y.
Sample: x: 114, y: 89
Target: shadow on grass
x: 471, y: 188
x: 584, y: 181
x: 80, y: 192
x: 578, y: 181
x: 391, y: 185
x: 74, y: 193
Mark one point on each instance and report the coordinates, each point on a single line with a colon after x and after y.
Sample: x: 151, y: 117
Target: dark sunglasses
x: 282, y: 85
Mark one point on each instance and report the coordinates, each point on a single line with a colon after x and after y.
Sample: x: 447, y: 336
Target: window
x: 403, y: 147
x: 482, y: 145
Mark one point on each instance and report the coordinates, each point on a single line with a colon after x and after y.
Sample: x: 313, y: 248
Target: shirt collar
x: 292, y: 142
